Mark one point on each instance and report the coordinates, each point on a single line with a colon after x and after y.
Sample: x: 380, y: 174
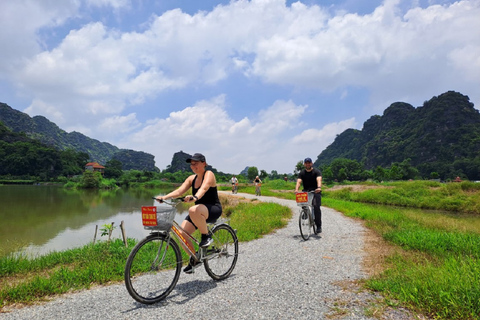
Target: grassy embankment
x: 434, y: 264
x: 26, y: 280
x: 435, y: 267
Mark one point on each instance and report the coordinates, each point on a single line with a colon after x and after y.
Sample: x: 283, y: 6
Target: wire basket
x: 158, y: 218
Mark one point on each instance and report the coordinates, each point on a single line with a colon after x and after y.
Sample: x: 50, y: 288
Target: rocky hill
x: 179, y: 163
x: 442, y: 132
x: 47, y: 132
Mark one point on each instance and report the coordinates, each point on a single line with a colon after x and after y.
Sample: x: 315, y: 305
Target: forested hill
x: 439, y: 136
x: 47, y: 132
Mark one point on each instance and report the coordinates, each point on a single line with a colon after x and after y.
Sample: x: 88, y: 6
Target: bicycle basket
x: 158, y: 217
x: 303, y: 198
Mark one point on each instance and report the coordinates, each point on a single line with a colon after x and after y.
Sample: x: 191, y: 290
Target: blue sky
x: 260, y: 83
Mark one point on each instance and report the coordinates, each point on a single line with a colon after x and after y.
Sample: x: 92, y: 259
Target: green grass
x: 461, y: 197
x: 438, y: 269
x: 259, y: 219
x: 25, y: 280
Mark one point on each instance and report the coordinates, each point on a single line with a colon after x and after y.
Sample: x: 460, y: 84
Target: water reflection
x: 39, y: 219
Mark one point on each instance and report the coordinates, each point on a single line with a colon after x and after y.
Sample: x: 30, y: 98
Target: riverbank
x: 26, y: 280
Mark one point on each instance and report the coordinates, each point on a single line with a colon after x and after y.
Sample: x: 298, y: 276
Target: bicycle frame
x: 186, y: 240
x: 179, y: 233
x: 309, y: 205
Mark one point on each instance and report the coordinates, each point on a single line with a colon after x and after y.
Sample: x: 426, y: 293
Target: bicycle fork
x: 311, y: 214
x: 158, y: 261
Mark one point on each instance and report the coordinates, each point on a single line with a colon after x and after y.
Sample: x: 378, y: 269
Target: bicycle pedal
x: 212, y: 250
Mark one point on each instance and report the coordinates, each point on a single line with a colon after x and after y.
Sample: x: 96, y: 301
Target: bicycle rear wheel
x: 153, y: 268
x: 223, y: 253
x: 304, y: 223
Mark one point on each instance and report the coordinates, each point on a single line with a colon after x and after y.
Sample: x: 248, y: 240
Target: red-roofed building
x: 95, y: 167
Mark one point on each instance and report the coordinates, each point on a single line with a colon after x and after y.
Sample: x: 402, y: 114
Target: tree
x: 395, y: 172
x: 327, y: 174
x: 345, y: 169
x: 298, y: 167
x: 252, y: 173
x: 408, y: 171
x: 380, y: 174
x: 263, y: 174
x: 274, y: 175
x: 90, y: 180
x: 113, y: 169
x: 342, y: 175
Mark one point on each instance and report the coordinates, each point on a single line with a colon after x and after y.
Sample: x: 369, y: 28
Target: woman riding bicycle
x: 257, y: 182
x: 207, y: 206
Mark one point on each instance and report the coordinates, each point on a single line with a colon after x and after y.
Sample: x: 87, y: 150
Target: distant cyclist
x: 257, y: 182
x: 234, y: 183
x: 312, y: 181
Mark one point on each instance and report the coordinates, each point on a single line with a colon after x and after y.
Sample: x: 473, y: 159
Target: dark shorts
x: 214, y: 212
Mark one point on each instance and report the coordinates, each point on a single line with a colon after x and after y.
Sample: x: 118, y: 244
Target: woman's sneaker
x: 192, y: 265
x: 206, y: 240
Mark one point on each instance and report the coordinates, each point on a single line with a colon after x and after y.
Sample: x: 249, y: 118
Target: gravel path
x: 277, y: 277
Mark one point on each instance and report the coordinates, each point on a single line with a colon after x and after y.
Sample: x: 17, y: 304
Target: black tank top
x: 210, y: 197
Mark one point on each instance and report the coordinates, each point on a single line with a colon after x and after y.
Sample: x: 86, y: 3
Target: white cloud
x: 228, y: 145
x: 120, y: 125
x: 20, y: 22
x: 96, y: 77
x: 116, y: 4
x: 324, y: 135
x: 300, y: 46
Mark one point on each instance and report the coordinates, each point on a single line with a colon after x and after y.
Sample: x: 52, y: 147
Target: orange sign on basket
x: 149, y: 216
x: 302, y: 197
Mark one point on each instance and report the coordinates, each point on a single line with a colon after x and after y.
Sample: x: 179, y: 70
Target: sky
x: 261, y: 83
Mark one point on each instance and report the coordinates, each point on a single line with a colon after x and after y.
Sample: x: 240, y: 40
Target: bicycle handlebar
x: 171, y: 202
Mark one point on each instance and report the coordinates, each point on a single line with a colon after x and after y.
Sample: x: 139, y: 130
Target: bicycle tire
x: 314, y: 224
x: 223, y: 255
x: 304, y: 223
x: 148, y: 277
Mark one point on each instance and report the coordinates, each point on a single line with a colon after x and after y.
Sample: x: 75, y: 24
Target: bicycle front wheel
x: 222, y: 254
x: 153, y: 268
x: 304, y: 223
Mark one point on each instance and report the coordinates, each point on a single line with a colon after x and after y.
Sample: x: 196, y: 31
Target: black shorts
x: 214, y: 212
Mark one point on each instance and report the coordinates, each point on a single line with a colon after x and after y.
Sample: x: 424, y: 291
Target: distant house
x: 95, y: 167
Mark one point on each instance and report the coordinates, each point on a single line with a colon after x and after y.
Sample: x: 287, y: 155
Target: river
x: 39, y: 219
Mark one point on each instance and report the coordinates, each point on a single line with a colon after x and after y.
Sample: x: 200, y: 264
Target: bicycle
x: 306, y: 219
x: 258, y: 191
x: 235, y: 188
x: 154, y: 264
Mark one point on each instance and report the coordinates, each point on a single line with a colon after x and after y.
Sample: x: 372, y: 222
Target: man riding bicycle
x: 312, y: 181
